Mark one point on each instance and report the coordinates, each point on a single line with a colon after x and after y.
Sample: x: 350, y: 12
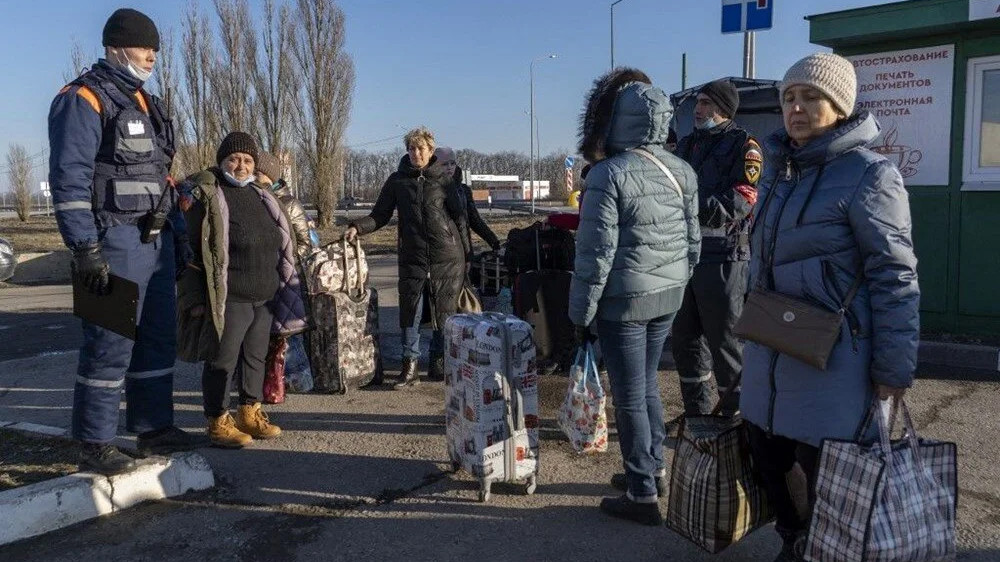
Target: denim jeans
x: 632, y: 355
x: 411, y: 337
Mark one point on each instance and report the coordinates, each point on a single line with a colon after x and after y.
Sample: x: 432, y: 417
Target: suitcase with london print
x: 491, y: 399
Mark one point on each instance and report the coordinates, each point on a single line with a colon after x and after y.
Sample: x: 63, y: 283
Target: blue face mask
x: 709, y: 123
x: 237, y: 183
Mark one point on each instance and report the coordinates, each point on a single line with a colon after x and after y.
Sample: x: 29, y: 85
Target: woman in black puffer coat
x: 431, y: 246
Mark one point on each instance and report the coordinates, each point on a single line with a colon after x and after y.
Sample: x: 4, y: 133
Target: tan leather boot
x: 223, y: 433
x: 251, y: 419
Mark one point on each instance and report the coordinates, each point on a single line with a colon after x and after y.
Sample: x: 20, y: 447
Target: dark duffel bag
x: 541, y: 298
x: 539, y: 246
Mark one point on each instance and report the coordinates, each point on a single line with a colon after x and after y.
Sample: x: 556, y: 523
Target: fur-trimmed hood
x: 624, y: 111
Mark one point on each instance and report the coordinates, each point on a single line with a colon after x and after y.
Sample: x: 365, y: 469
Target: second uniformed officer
x: 111, y: 148
x: 728, y: 162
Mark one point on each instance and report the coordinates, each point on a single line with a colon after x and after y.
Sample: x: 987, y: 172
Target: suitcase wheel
x: 484, y: 490
x: 531, y: 486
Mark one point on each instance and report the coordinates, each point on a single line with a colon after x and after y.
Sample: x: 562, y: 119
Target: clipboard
x: 115, y: 311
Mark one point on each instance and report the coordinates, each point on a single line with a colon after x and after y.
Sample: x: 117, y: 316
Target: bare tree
x: 77, y: 62
x: 198, y: 57
x: 19, y: 176
x: 231, y: 73
x: 324, y: 105
x: 274, y: 79
x: 168, y: 89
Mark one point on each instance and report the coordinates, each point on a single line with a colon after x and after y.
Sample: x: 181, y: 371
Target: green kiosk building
x: 929, y: 70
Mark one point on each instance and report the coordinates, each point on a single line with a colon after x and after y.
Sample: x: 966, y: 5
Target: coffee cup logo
x: 907, y: 159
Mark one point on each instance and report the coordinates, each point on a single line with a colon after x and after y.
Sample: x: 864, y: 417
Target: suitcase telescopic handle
x: 346, y: 285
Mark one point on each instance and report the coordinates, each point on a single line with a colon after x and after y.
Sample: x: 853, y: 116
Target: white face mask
x: 709, y: 123
x: 235, y: 182
x: 138, y: 73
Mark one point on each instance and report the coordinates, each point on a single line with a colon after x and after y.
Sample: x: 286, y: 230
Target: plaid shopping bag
x: 891, y: 500
x: 715, y: 496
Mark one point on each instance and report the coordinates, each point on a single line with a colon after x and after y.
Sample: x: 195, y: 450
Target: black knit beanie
x: 724, y: 94
x: 237, y: 142
x: 131, y: 28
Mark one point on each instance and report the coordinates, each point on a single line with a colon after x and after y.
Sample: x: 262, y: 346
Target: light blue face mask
x: 237, y: 183
x: 709, y: 123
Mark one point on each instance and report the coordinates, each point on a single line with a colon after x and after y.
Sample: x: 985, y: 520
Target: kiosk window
x: 981, y: 169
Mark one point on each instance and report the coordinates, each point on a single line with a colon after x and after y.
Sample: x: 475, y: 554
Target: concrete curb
x: 39, y: 508
x: 959, y: 355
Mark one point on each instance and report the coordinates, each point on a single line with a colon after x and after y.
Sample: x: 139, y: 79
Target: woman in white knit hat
x: 832, y: 219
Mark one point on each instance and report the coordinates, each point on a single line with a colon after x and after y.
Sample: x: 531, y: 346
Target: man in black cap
x: 111, y: 149
x: 728, y: 162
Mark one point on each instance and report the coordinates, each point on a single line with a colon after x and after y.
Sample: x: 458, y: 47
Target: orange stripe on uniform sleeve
x: 85, y: 93
x: 142, y: 102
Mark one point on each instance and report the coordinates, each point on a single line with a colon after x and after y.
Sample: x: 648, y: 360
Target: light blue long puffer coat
x: 854, y: 219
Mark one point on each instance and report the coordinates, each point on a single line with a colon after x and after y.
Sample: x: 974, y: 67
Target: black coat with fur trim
x: 431, y: 244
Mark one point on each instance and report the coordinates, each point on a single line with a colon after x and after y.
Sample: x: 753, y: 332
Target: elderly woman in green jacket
x: 241, y: 286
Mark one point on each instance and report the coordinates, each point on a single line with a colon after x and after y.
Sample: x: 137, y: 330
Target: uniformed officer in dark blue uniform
x: 728, y: 162
x: 111, y: 148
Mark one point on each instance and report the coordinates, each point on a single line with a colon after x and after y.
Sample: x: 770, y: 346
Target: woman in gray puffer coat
x: 830, y: 212
x: 636, y: 245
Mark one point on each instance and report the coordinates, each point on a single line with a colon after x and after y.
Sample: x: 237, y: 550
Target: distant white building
x: 505, y: 188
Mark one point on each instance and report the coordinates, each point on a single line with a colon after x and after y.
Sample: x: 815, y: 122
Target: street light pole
x: 531, y: 127
x: 613, y: 4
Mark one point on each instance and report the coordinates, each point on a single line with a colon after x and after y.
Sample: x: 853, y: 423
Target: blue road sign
x: 747, y: 15
x: 569, y: 162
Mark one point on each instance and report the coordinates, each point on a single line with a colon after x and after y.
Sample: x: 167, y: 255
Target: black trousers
x: 702, y: 337
x: 241, y: 352
x: 774, y: 456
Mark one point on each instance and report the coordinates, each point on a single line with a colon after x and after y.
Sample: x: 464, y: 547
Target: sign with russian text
x: 910, y: 94
x: 984, y: 9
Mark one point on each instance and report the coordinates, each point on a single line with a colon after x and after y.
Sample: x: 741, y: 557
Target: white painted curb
x: 35, y: 509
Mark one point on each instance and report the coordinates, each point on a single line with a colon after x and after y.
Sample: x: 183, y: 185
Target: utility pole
x: 613, y: 4
x: 684, y: 71
x: 749, y: 48
x: 531, y: 126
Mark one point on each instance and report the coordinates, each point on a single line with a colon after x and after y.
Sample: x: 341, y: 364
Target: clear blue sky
x: 458, y: 66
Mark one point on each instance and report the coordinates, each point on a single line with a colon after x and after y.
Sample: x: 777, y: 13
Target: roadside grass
x: 40, y: 234
x: 383, y: 241
x: 27, y: 459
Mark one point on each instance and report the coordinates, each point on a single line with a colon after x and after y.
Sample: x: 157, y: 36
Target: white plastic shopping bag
x: 582, y: 416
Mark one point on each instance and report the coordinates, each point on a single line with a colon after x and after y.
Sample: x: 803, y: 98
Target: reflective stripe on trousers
x: 109, y: 361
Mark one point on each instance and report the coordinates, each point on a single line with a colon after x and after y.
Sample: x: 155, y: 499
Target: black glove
x: 183, y: 254
x: 582, y: 335
x: 90, y: 269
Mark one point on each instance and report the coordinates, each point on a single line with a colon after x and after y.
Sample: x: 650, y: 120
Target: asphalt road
x: 366, y: 476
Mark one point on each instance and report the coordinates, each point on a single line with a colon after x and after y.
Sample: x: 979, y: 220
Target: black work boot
x: 408, y: 376
x: 104, y: 458
x: 624, y: 508
x: 620, y: 482
x: 435, y: 371
x: 793, y: 546
x: 170, y: 439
